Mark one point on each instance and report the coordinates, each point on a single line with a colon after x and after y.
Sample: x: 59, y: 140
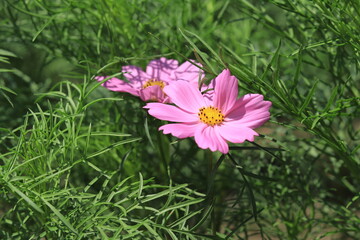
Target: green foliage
x: 53, y: 184
x: 80, y: 162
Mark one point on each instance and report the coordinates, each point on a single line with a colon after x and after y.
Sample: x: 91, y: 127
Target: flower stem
x: 164, y: 153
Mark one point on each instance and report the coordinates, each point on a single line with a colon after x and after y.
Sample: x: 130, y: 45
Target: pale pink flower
x: 159, y: 73
x: 212, y: 121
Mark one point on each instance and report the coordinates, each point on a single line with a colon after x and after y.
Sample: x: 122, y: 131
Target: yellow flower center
x: 154, y: 82
x: 211, y: 116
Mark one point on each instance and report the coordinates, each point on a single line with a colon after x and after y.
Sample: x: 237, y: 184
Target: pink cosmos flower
x: 159, y: 73
x: 212, y: 121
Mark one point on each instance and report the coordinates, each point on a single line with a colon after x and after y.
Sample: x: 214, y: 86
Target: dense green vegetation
x: 80, y: 162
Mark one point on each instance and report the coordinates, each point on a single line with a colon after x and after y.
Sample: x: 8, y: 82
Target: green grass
x: 80, y: 162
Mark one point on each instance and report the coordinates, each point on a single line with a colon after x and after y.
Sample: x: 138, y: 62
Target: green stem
x: 164, y: 152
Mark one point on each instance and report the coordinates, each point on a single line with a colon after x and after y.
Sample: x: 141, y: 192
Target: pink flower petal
x: 135, y: 75
x: 185, y: 95
x: 162, y: 68
x: 170, y: 113
x: 117, y: 85
x: 188, y: 72
x: 226, y: 91
x: 222, y: 145
x: 152, y: 93
x: 180, y: 130
x: 250, y: 111
x: 209, y: 137
x: 166, y: 99
x: 236, y: 133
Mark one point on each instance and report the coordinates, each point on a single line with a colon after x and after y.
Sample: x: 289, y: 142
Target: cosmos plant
x: 211, y: 121
x: 159, y: 73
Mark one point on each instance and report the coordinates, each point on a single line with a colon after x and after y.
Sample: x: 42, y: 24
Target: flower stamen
x: 154, y: 82
x: 211, y: 116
